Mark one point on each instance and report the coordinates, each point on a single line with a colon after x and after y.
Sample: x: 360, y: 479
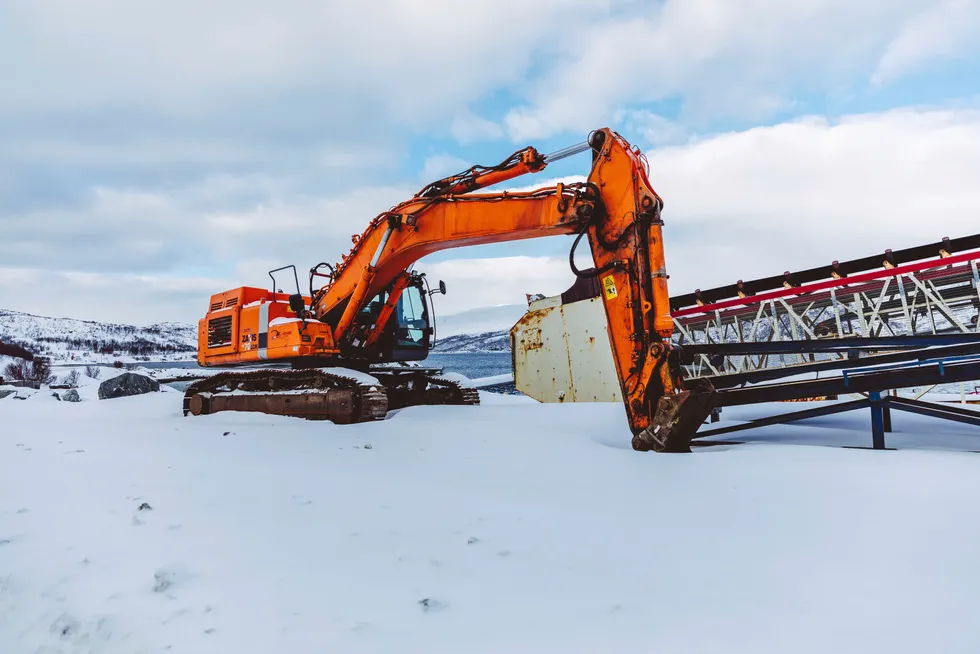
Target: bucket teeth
x: 675, y: 421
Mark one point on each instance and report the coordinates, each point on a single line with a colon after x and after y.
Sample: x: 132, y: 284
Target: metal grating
x: 219, y: 332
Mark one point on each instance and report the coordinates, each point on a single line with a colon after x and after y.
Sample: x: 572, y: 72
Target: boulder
x: 6, y: 393
x: 71, y: 396
x: 126, y: 384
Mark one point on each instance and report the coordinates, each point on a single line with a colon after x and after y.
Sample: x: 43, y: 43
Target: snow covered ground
x: 508, y: 527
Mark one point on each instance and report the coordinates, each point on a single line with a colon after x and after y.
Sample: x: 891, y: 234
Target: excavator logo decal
x: 609, y: 287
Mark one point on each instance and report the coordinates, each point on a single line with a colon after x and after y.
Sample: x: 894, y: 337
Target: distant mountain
x: 87, y: 340
x: 478, y: 330
x: 479, y: 321
x: 494, y: 341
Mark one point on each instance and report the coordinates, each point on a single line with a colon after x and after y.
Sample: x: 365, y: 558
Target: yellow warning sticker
x: 609, y: 286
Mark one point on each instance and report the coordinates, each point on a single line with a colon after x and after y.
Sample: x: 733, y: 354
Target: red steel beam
x: 964, y: 257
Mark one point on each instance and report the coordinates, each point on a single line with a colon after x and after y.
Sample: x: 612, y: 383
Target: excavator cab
x: 414, y: 327
x: 407, y: 336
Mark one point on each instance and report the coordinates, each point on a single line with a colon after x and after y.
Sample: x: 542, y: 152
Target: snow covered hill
x: 61, y: 338
x: 479, y: 321
x: 86, y: 340
x: 495, y: 341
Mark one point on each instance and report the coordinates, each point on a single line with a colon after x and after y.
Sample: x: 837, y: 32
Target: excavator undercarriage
x: 338, y: 395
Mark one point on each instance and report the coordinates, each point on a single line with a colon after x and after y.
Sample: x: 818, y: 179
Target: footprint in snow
x: 428, y: 605
x: 65, y: 626
x: 179, y: 613
x: 167, y: 576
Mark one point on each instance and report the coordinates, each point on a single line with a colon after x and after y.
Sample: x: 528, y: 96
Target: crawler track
x: 317, y: 394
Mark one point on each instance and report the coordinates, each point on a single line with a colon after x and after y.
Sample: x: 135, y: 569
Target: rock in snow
x: 126, y: 384
x: 71, y: 396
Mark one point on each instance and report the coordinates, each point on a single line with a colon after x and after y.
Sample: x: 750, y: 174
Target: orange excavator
x: 338, y: 352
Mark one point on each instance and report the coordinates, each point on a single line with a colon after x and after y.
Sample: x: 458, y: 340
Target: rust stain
x: 533, y: 337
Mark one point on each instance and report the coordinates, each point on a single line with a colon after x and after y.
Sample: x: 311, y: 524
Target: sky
x: 153, y: 153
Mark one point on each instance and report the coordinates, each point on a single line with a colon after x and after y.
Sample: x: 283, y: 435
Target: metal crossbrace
x: 939, y: 295
x: 879, y: 405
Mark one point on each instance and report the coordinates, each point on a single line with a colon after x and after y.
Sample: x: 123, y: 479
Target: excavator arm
x: 616, y: 209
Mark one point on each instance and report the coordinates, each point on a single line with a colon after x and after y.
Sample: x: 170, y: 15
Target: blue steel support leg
x: 886, y: 413
x: 877, y: 421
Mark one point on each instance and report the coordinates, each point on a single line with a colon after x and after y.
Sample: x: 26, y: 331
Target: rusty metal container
x: 562, y: 353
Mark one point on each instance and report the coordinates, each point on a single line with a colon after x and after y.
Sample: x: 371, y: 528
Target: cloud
x: 470, y: 128
x: 798, y: 194
x: 477, y: 283
x: 210, y: 224
x: 943, y: 31
x: 442, y: 165
x: 113, y: 297
x: 343, y: 59
x: 326, y: 95
x: 652, y: 129
x: 744, y: 60
x: 737, y: 205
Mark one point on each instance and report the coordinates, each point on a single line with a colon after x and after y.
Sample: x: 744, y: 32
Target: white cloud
x: 738, y: 205
x: 416, y: 62
x: 113, y: 297
x: 442, y: 165
x: 745, y: 59
x: 946, y: 30
x: 795, y: 195
x: 209, y: 224
x: 652, y: 129
x: 470, y: 128
x: 476, y: 283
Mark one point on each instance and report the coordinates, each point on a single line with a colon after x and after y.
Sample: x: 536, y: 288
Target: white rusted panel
x: 562, y: 353
x: 537, y: 342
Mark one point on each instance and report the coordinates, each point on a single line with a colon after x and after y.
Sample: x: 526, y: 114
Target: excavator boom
x: 350, y: 318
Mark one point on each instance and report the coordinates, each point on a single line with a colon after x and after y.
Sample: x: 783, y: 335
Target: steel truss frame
x: 910, y: 294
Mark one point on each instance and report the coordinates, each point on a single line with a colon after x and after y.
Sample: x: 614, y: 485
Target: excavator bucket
x: 677, y: 418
